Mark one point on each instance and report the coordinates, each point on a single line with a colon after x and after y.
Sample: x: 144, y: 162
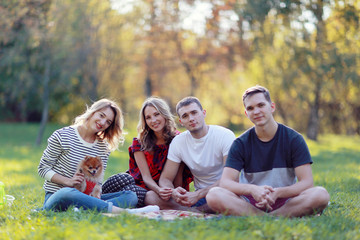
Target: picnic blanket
x: 169, y: 215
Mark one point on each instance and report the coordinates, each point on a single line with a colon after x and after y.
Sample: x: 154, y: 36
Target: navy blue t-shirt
x: 269, y: 163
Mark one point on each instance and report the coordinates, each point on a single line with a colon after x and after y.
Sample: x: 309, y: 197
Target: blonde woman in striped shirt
x: 96, y: 132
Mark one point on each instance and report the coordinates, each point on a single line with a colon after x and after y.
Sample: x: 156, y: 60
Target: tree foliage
x: 57, y: 55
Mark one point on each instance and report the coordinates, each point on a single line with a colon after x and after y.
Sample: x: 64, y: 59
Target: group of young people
x: 266, y: 170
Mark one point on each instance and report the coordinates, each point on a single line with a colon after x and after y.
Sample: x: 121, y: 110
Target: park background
x: 56, y: 56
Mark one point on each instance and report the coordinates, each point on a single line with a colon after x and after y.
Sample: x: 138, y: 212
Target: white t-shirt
x: 203, y: 156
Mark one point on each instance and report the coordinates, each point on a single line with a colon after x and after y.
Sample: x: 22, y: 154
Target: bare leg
x: 309, y: 202
x: 226, y: 202
x: 152, y: 198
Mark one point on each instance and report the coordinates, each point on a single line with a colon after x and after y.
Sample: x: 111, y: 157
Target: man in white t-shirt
x: 203, y: 148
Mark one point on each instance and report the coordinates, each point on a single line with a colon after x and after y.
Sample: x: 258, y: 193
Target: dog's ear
x: 87, y: 157
x: 98, y: 157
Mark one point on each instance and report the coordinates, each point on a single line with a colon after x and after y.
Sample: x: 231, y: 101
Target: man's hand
x: 263, y: 197
x: 183, y: 197
x: 259, y: 192
x: 269, y: 200
x: 264, y: 204
x: 190, y: 199
x: 178, y: 194
x: 272, y: 196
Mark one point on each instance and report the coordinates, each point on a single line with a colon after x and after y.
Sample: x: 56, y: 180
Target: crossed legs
x: 310, y: 201
x: 152, y: 198
x: 226, y: 202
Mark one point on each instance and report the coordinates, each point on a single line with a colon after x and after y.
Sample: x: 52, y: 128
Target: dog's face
x: 92, y: 166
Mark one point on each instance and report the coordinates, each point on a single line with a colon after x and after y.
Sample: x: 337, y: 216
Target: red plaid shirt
x: 156, y: 162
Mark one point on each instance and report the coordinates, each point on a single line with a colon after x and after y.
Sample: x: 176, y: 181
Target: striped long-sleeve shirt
x: 65, y: 150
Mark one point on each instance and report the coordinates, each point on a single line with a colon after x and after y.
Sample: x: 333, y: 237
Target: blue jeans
x: 199, y: 203
x: 66, y: 197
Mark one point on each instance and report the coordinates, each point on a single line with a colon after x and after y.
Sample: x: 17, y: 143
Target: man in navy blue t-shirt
x: 275, y: 166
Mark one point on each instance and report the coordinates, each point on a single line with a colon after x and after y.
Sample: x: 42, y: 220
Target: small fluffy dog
x: 92, y: 168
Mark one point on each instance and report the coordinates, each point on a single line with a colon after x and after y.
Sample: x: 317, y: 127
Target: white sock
x: 150, y: 208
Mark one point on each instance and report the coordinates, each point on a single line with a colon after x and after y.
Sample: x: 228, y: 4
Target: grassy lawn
x: 336, y: 167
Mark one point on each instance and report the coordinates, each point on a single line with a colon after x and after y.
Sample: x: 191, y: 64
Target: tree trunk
x: 321, y: 36
x: 356, y: 112
x: 281, y: 112
x: 148, y: 86
x: 94, y: 83
x: 188, y: 68
x: 148, y: 80
x: 193, y: 80
x: 149, y: 57
x: 313, y: 124
x: 46, y: 99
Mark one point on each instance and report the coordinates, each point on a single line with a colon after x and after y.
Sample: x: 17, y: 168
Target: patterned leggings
x: 124, y: 182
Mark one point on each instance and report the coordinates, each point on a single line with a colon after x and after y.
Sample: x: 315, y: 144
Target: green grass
x: 336, y: 167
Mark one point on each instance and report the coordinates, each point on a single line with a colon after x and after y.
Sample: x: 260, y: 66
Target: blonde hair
x: 147, y: 136
x: 114, y: 133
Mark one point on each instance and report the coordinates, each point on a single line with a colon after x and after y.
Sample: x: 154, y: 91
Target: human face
x: 192, y: 117
x: 258, y: 109
x: 101, y: 119
x: 154, y: 119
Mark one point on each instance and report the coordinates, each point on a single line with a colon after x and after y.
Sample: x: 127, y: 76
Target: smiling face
x: 154, y: 120
x: 101, y: 120
x: 192, y: 118
x: 258, y: 109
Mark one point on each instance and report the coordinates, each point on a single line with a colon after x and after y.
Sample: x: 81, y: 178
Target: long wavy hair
x: 147, y: 136
x: 114, y: 133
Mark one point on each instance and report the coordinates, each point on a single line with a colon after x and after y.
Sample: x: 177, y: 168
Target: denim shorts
x: 199, y: 203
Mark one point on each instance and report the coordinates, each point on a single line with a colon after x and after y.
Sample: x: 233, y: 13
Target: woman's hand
x: 164, y: 193
x: 76, y: 180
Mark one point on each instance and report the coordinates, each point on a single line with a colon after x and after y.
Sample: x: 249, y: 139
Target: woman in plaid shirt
x: 148, y: 154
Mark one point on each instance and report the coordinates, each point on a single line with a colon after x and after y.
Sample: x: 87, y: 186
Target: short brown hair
x: 187, y: 101
x: 257, y: 89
